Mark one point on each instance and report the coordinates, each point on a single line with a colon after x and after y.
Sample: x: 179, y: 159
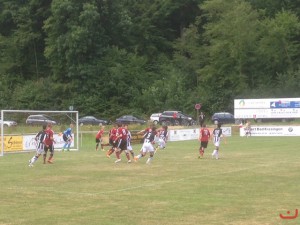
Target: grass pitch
x: 254, y: 181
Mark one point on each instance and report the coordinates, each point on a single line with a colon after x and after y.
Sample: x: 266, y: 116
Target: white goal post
x: 19, y: 136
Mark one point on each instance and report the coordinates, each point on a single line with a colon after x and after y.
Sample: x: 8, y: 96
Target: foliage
x: 108, y: 58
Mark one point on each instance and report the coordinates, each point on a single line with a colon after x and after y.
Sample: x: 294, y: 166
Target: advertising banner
x: 267, y: 108
x: 273, y: 131
x: 12, y: 143
x: 192, y: 134
x: 29, y: 142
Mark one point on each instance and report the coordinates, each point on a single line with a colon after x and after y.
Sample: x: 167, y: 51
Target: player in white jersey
x: 39, y: 138
x: 148, y: 145
x: 129, y: 147
x: 163, y: 137
x: 217, y: 135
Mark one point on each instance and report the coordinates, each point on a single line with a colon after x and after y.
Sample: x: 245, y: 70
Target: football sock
x: 34, y: 158
x: 149, y: 159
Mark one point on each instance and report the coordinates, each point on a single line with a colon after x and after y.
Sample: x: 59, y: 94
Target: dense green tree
x: 22, y: 39
x: 107, y: 58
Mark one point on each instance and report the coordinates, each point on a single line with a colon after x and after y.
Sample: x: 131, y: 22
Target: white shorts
x: 40, y: 148
x: 129, y: 147
x: 147, y: 147
x: 217, y: 143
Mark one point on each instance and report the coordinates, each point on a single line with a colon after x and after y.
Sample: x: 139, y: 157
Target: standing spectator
x: 49, y: 141
x: 204, y: 136
x: 247, y: 129
x: 67, y: 137
x: 39, y: 138
x: 201, y: 118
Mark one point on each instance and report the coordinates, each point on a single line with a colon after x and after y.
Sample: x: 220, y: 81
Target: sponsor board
x: 273, y: 131
x: 192, y: 134
x: 28, y: 143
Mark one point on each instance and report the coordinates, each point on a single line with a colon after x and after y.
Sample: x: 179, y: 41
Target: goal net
x: 19, y: 127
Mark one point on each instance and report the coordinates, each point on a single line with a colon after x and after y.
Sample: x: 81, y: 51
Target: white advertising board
x: 29, y: 142
x: 192, y: 134
x: 273, y: 131
x: 267, y: 108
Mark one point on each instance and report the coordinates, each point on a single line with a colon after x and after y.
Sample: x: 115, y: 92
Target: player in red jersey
x: 204, y: 136
x: 49, y: 141
x: 112, y: 140
x: 99, y: 138
x: 122, y: 143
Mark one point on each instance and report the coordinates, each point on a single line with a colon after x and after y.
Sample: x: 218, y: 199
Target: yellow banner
x: 12, y: 143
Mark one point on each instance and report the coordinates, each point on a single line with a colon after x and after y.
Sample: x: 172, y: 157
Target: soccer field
x: 255, y: 180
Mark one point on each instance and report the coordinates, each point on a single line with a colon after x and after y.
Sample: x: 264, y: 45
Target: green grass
x: 254, y: 181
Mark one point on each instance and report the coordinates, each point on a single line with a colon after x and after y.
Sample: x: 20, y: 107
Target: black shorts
x: 203, y: 144
x: 66, y: 138
x: 112, y: 143
x: 50, y: 148
x: 122, y: 144
x: 98, y: 140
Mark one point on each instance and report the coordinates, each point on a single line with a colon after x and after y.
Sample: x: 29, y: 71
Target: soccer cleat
x: 136, y: 158
x: 107, y: 155
x: 50, y: 161
x: 129, y: 161
x: 30, y: 164
x: 118, y: 160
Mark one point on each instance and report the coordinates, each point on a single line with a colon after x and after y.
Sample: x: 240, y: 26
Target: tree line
x: 108, y: 58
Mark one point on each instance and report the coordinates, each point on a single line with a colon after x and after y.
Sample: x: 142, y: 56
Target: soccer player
x: 163, y: 137
x: 122, y: 143
x: 49, y: 141
x: 112, y: 140
x: 67, y: 137
x: 217, y: 135
x: 99, y: 138
x: 39, y: 138
x: 129, y: 147
x: 247, y: 129
x: 148, y: 146
x: 204, y: 136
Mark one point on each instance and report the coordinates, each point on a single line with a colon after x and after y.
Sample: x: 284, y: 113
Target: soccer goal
x: 19, y: 127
